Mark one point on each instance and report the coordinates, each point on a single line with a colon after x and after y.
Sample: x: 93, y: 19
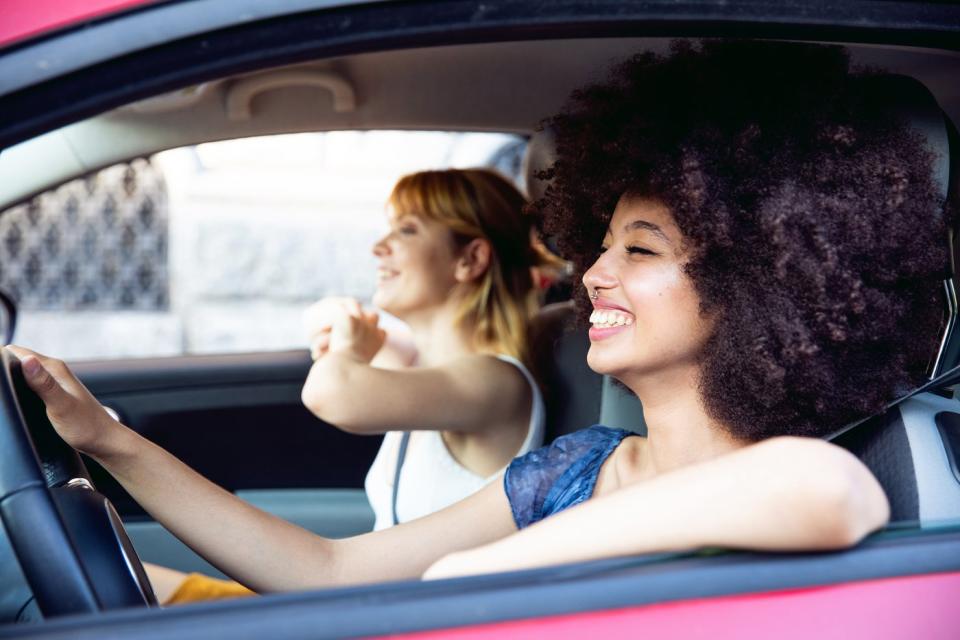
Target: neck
x: 437, y: 337
x: 679, y: 430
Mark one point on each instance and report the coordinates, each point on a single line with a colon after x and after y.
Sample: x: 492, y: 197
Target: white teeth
x: 610, y: 318
x: 384, y: 274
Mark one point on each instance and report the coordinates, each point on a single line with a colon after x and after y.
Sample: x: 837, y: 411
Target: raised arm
x: 784, y: 494
x: 257, y: 549
x: 349, y: 385
x: 468, y: 394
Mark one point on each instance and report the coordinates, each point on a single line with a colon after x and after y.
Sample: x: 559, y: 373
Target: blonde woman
x: 455, y: 266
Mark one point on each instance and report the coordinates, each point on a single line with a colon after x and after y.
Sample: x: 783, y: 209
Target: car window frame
x: 409, y: 606
x: 231, y: 41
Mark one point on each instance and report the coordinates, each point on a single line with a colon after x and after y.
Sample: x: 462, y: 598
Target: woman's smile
x: 608, y: 320
x: 385, y: 274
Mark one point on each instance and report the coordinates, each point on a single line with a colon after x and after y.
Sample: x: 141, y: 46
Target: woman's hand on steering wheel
x: 76, y: 415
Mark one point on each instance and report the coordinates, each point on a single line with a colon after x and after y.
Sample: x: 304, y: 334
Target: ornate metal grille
x: 96, y: 243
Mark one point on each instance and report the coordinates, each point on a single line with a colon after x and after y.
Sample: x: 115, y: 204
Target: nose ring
x: 594, y: 295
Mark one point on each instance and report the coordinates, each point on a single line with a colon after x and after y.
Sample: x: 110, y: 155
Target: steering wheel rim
x: 69, y: 541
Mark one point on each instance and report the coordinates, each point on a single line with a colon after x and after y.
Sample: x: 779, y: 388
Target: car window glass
x: 215, y: 248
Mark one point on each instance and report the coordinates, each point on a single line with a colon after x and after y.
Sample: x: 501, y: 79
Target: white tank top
x: 431, y: 478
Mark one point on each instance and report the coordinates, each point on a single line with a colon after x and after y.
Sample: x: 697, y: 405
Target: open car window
x: 216, y: 247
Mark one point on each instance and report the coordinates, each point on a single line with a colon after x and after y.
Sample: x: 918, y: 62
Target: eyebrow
x: 649, y: 226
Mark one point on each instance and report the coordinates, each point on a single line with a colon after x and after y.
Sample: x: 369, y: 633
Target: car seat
x: 913, y: 449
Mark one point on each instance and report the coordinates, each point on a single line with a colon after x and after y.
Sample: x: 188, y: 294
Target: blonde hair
x: 479, y: 203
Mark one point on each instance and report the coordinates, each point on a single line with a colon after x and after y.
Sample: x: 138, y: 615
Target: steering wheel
x: 68, y: 539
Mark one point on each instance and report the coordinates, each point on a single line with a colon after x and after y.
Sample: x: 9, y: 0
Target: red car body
x: 24, y: 20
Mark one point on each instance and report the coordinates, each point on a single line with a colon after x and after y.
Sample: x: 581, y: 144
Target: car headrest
x: 910, y: 100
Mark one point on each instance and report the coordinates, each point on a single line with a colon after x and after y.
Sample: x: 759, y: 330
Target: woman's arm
x: 784, y: 494
x: 467, y: 394
x: 257, y: 549
x: 470, y: 394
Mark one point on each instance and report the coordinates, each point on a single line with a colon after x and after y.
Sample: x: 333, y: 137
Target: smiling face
x: 646, y: 319
x: 416, y: 270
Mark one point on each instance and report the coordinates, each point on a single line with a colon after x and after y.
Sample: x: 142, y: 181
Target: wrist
x: 349, y: 355
x: 117, y: 447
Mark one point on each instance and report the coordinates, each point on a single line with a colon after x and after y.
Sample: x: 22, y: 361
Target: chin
x: 381, y: 301
x: 606, y: 364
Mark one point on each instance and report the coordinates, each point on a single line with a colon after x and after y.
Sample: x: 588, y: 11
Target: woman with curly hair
x: 759, y: 253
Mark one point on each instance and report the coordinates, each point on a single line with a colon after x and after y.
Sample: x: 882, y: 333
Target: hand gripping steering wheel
x: 69, y: 541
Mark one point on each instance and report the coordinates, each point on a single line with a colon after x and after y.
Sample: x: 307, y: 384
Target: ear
x: 474, y: 260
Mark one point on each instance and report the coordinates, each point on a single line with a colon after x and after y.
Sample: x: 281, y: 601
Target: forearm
x: 257, y: 549
x: 766, y: 497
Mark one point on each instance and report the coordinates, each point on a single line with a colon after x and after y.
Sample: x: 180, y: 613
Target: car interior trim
x: 948, y: 424
x: 940, y: 494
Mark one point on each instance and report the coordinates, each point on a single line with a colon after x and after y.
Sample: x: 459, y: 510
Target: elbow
x: 865, y: 505
x: 313, y: 399
x: 323, y: 396
x: 845, y: 501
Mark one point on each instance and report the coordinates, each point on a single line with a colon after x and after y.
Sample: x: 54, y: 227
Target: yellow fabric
x: 197, y: 587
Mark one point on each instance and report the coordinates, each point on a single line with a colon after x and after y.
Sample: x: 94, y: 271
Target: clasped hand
x: 340, y: 325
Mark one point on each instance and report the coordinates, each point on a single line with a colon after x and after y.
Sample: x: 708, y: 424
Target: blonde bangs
x: 434, y: 196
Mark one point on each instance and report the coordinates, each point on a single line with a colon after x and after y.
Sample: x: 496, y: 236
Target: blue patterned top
x: 558, y: 476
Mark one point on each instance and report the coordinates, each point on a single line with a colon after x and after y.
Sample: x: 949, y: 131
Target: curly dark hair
x: 809, y: 215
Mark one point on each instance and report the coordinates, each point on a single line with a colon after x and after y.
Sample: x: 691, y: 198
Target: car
x: 90, y: 86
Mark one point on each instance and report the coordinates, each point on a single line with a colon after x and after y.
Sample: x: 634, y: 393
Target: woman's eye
x: 635, y: 250
x: 408, y: 230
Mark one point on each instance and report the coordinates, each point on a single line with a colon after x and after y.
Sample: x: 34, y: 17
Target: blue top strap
x: 556, y: 477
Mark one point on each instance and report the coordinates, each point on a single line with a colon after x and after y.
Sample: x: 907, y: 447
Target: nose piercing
x: 594, y: 295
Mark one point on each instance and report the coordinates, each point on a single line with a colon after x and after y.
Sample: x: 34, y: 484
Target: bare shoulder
x: 624, y: 466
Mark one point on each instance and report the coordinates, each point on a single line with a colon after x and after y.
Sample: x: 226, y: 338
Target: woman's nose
x: 380, y: 247
x: 598, y: 276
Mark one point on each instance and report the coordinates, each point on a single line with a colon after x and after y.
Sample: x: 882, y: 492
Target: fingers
x: 21, y: 352
x: 320, y: 345
x: 44, y: 383
x: 322, y: 315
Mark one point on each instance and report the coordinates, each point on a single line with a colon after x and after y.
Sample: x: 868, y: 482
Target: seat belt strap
x: 401, y: 456
x: 944, y: 380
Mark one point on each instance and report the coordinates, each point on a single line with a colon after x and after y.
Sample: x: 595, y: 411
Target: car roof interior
x: 505, y: 86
